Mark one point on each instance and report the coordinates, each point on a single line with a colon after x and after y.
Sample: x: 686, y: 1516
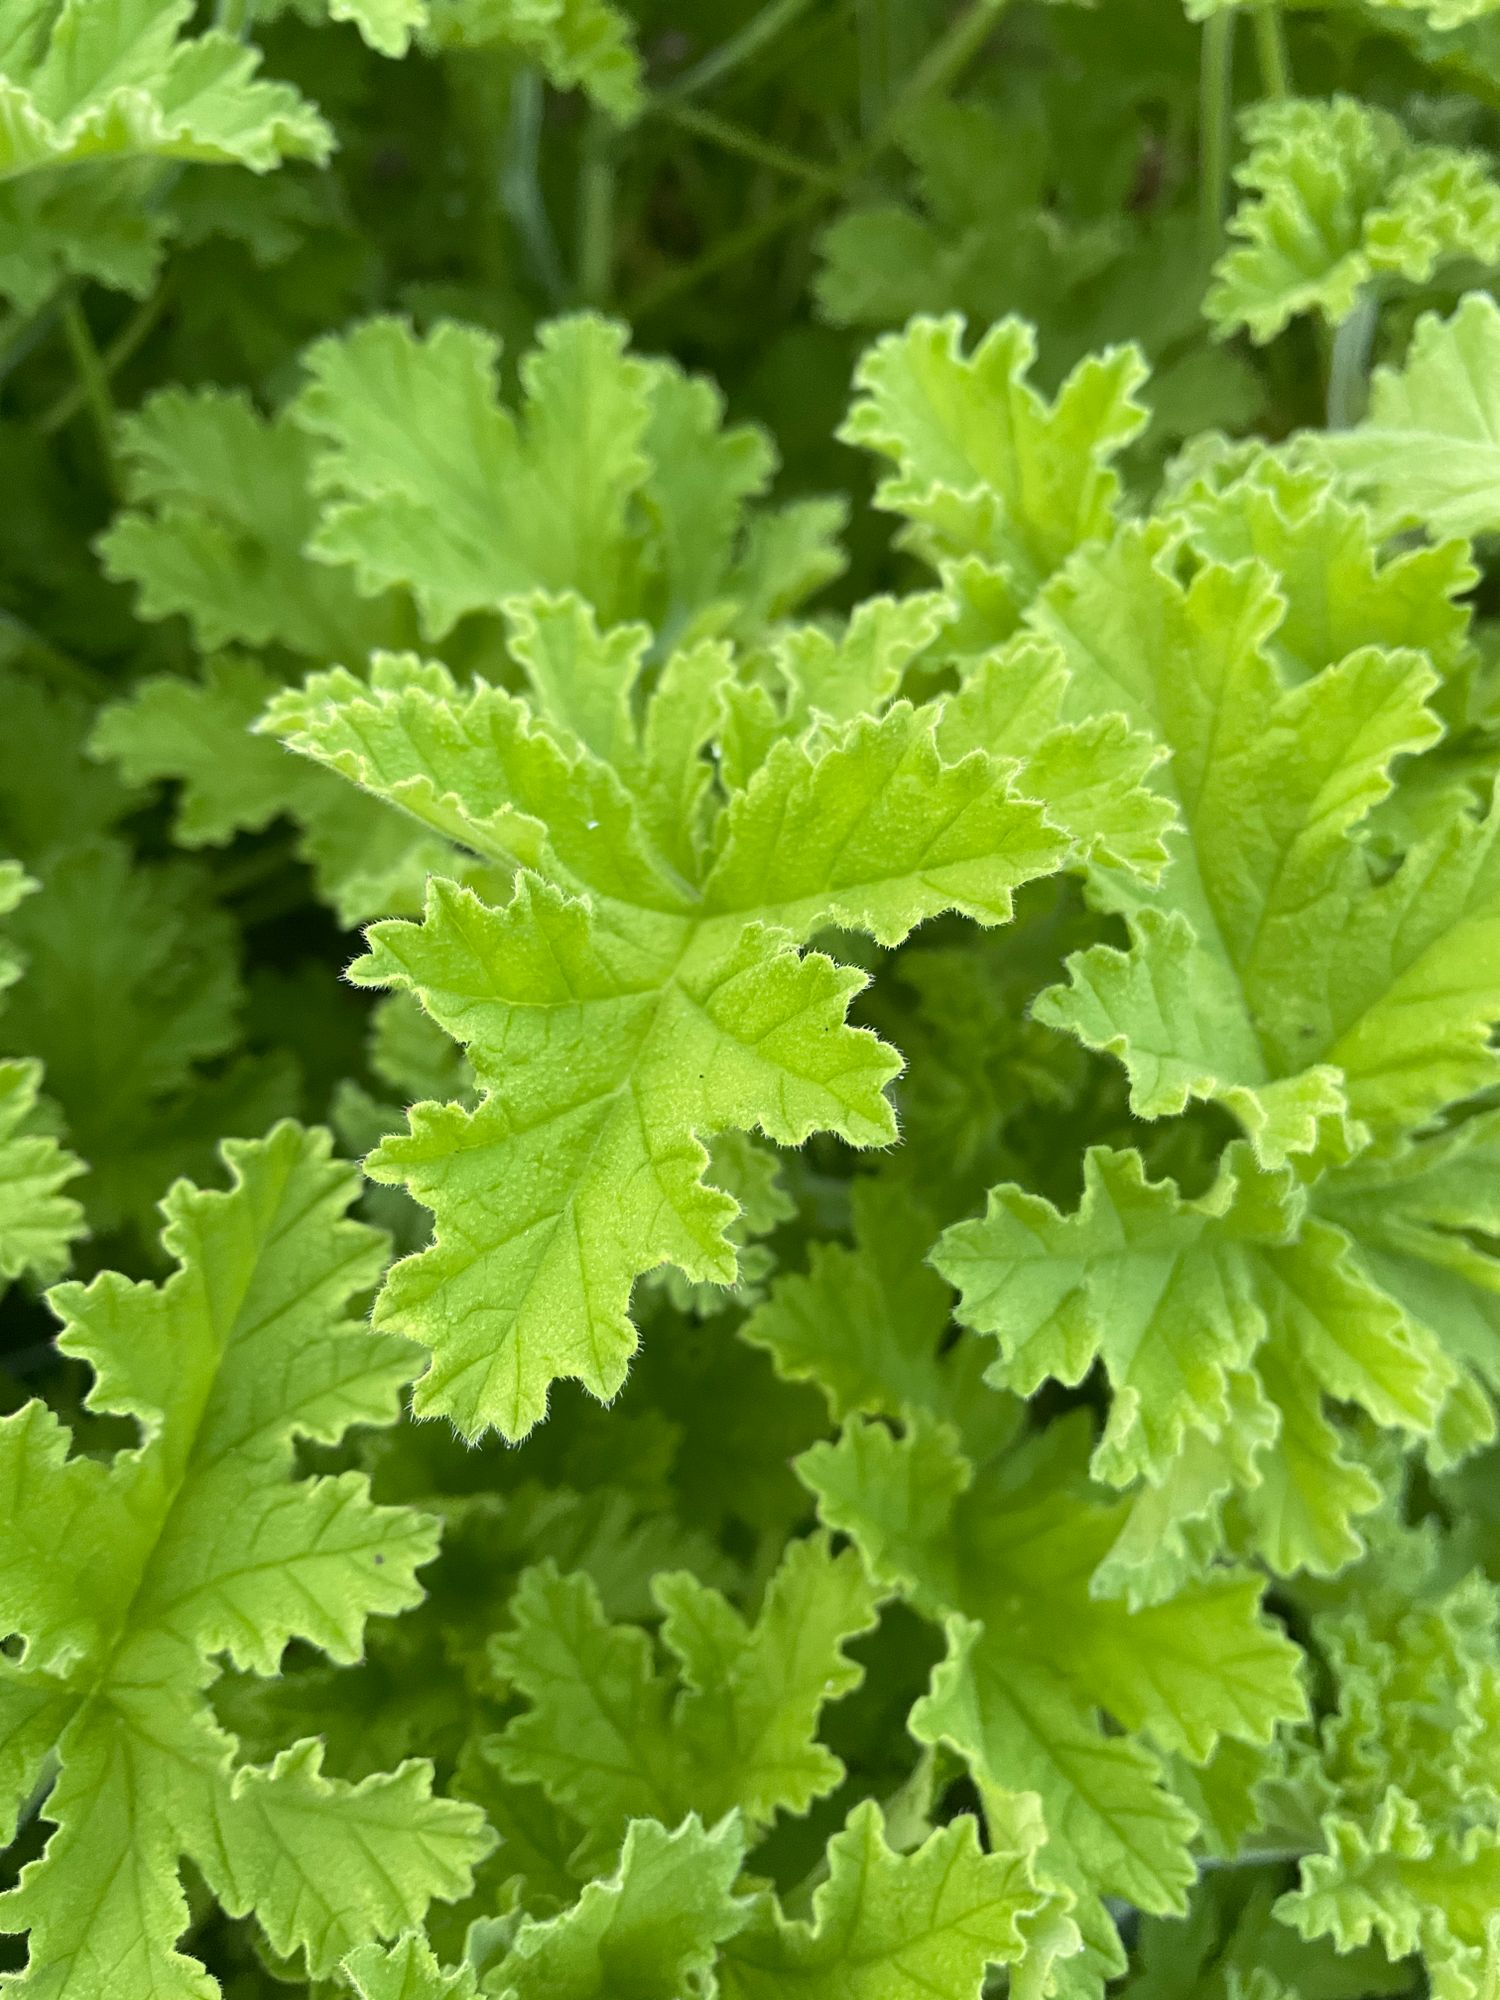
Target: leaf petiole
x: 93, y: 382
x: 1216, y: 113
x: 1270, y: 46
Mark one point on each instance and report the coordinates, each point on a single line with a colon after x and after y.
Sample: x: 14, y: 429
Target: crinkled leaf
x: 203, y: 1540
x: 733, y: 1728
x: 985, y: 469
x: 1337, y: 198
x: 619, y: 1011
x: 1003, y: 1557
x: 1427, y: 446
x: 98, y: 90
x: 615, y: 478
x: 889, y: 1926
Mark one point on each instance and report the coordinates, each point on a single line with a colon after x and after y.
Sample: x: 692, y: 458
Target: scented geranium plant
x: 750, y: 941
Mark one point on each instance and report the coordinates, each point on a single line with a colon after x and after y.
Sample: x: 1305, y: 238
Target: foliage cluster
x: 750, y: 941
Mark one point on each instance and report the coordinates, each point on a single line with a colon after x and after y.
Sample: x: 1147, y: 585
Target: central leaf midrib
x: 191, y: 1461
x: 610, y: 1102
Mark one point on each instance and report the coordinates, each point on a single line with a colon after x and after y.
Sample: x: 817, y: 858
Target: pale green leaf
x: 1268, y: 970
x: 615, y: 478
x: 1222, y: 1323
x: 99, y: 91
x: 1428, y: 446
x: 1338, y: 198
x: 618, y: 1012
x: 408, y: 1971
x: 889, y: 1926
x: 654, y: 1927
x: 983, y: 466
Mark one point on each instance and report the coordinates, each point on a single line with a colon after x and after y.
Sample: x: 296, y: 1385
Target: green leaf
x: 1427, y: 447
x: 982, y: 231
x: 91, y: 93
x: 869, y: 1323
x: 1397, y: 1791
x: 52, y: 793
x: 1270, y: 971
x: 38, y: 1221
x: 653, y: 1927
x: 1338, y: 198
x: 1001, y: 1556
x: 217, y: 517
x: 408, y: 1971
x: 619, y: 1011
x: 985, y: 469
x: 733, y: 1728
x: 1211, y: 1317
x: 1343, y: 585
x: 1424, y: 1216
x: 145, y: 943
x: 1092, y: 775
x: 615, y: 478
x: 366, y: 860
x: 889, y: 1926
x: 202, y: 1540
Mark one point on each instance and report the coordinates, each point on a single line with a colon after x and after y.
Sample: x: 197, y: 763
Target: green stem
x: 93, y: 383
x: 758, y: 31
x: 872, y: 27
x: 1349, y: 362
x: 520, y: 186
x: 596, y: 213
x: 125, y: 343
x: 1215, y: 123
x: 749, y: 145
x: 942, y: 63
x: 949, y: 54
x: 1270, y: 47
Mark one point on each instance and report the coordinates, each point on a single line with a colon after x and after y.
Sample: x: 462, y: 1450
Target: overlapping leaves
x: 1282, y: 969
x: 1339, y: 198
x: 125, y: 1578
x: 399, y: 474
x: 996, y: 1541
x: 642, y: 988
x: 97, y: 96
